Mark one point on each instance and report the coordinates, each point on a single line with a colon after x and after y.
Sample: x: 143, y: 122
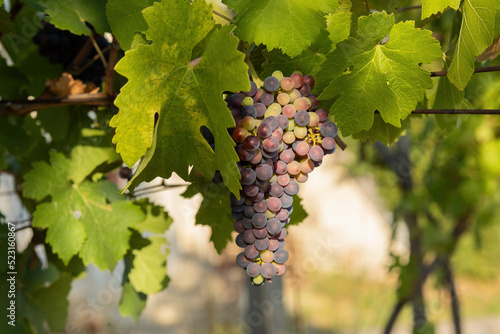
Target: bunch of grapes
x: 61, y: 47
x: 281, y: 137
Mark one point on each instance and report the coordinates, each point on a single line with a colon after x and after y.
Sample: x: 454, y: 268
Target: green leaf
x: 448, y: 97
x: 78, y: 218
x: 157, y: 220
x: 383, y: 77
x: 381, y: 131
x: 72, y: 14
x: 308, y: 62
x: 161, y: 81
x: 289, y: 25
x: 125, y: 19
x: 149, y: 272
x: 338, y: 26
x: 299, y: 213
x: 214, y: 211
x: 84, y: 159
x: 430, y: 7
x: 476, y: 34
x: 131, y: 302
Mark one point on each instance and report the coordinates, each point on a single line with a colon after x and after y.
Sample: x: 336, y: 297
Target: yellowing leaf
x: 185, y: 97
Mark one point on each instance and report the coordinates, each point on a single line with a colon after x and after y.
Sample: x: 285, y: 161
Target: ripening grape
x: 281, y: 256
x: 287, y: 83
x: 297, y: 80
x: 271, y: 84
x: 281, y: 137
x: 300, y: 132
x: 264, y: 131
x: 253, y: 269
x: 302, y: 148
x: 328, y: 143
x: 288, y: 111
x: 302, y: 118
x: 329, y: 129
x: 316, y: 153
x: 248, y: 122
x: 267, y: 99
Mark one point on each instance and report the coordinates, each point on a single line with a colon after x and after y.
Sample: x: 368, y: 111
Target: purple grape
x: 329, y: 129
x: 271, y: 84
x: 264, y: 172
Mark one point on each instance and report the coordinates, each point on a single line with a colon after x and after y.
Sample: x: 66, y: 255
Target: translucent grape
x: 300, y: 132
x: 239, y: 134
x: 287, y: 83
x: 301, y: 104
x: 283, y: 180
x: 280, y: 167
x: 297, y: 80
x: 314, y: 119
x: 267, y: 256
x: 302, y: 177
x: 273, y: 203
x: 302, y: 148
x: 277, y: 74
x: 289, y: 111
x: 294, y: 95
x: 277, y: 134
x: 247, y: 101
x: 287, y: 156
x: 306, y: 166
x: 328, y: 143
x: 294, y: 168
x: 248, y: 123
x: 280, y: 269
x: 289, y: 137
x: 316, y: 153
x: 283, y: 98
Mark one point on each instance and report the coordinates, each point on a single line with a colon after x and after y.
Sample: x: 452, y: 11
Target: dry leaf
x: 66, y: 85
x: 491, y: 52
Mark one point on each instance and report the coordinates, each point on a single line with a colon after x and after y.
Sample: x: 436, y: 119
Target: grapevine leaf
x: 476, y: 34
x: 299, y: 213
x: 131, y: 302
x: 308, y: 62
x: 430, y: 7
x: 72, y: 14
x: 383, y: 77
x: 78, y: 218
x: 125, y: 19
x: 157, y: 221
x: 497, y: 18
x: 84, y: 159
x: 149, y: 272
x: 288, y: 25
x: 338, y: 26
x: 184, y: 96
x: 448, y: 97
x: 381, y: 131
x: 214, y: 211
